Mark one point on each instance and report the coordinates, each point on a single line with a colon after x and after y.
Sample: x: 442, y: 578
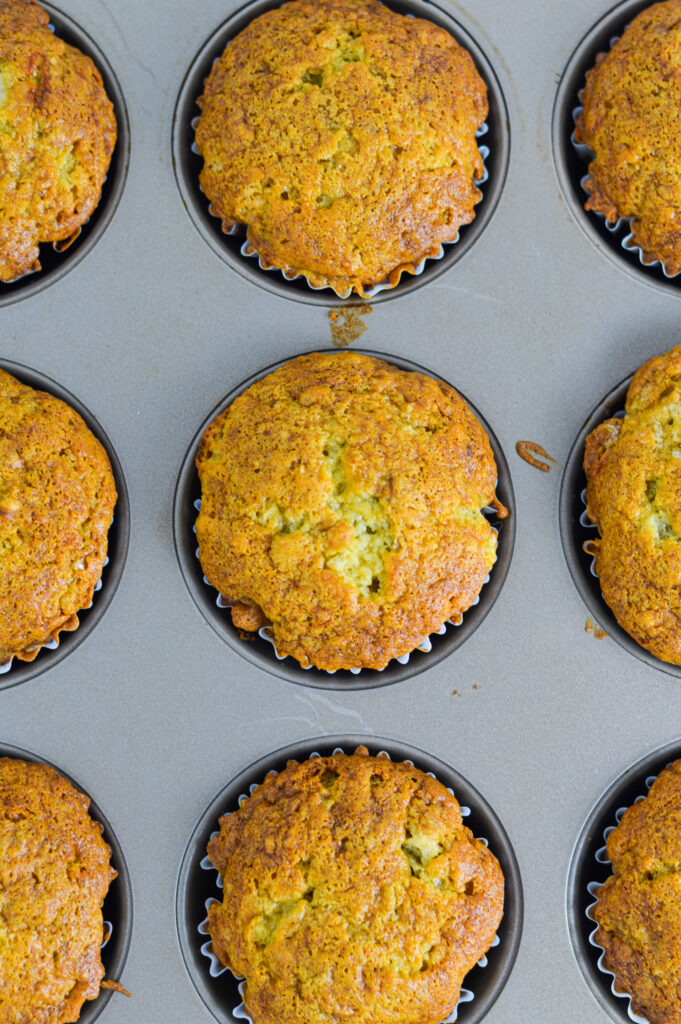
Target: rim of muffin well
x: 574, y: 533
x: 117, y: 906
x: 195, y: 885
x: 631, y: 785
x: 187, y: 164
x: 119, y: 536
x: 259, y: 651
x: 571, y: 164
x: 56, y: 265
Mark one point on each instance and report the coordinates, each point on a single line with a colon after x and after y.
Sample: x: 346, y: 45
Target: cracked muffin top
x: 57, y: 134
x: 341, y: 504
x: 633, y: 471
x: 343, y: 135
x: 352, y: 890
x: 638, y: 909
x: 57, y: 495
x: 54, y: 874
x: 632, y: 122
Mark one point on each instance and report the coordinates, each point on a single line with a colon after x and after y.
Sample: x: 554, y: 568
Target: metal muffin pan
x: 188, y: 163
x: 119, y: 535
x: 585, y: 868
x: 55, y: 264
x: 572, y: 165
x: 195, y: 885
x: 117, y: 905
x: 260, y: 651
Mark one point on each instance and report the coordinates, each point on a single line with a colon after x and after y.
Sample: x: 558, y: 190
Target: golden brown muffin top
x: 57, y: 496
x: 632, y: 123
x: 633, y: 471
x: 54, y: 875
x: 343, y: 135
x: 352, y: 890
x: 57, y: 134
x: 638, y: 908
x: 341, y: 502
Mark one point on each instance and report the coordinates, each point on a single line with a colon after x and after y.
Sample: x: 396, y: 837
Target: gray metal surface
x: 153, y: 713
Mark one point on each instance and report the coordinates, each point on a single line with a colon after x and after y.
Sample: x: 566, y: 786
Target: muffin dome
x: 343, y: 136
x: 631, y: 120
x: 57, y: 495
x: 352, y: 890
x: 341, y: 503
x: 57, y: 134
x: 54, y: 875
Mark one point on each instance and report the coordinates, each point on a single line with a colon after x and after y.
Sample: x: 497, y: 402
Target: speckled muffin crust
x: 343, y: 135
x: 341, y: 503
x: 57, y: 134
x: 638, y: 909
x: 632, y: 123
x: 54, y: 875
x: 352, y: 891
x: 57, y: 496
x: 633, y: 471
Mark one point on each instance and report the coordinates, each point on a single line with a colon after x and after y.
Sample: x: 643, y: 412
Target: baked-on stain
x: 591, y: 626
x: 347, y: 323
x: 524, y: 450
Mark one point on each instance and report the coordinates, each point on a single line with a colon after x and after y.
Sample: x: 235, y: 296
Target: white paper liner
x: 586, y: 154
x: 584, y: 520
x: 52, y: 645
x: 425, y: 646
x: 369, y: 293
x: 216, y: 968
x: 601, y: 856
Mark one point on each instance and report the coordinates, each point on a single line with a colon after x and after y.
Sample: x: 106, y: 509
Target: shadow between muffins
x: 194, y: 885
x: 117, y: 906
x: 118, y: 539
x: 261, y: 652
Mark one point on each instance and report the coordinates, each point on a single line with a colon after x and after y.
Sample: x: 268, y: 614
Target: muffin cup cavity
x: 199, y: 883
x: 233, y: 248
x: 572, y: 159
x: 59, y: 258
x: 258, y: 648
x: 590, y: 867
x: 72, y: 634
x: 117, y: 906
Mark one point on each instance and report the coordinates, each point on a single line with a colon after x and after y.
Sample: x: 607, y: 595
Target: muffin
x: 633, y: 472
x: 341, y: 504
x: 631, y: 120
x: 57, y: 496
x: 58, y: 131
x: 342, y: 135
x: 638, y: 909
x: 352, y: 891
x: 54, y: 875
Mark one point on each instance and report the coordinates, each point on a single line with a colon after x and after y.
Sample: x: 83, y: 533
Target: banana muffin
x: 631, y: 120
x: 638, y: 909
x: 341, y: 504
x: 57, y: 134
x: 352, y: 890
x: 633, y: 471
x: 54, y: 874
x: 57, y: 495
x: 342, y: 135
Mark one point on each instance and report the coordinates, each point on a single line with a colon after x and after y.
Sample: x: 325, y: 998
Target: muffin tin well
x: 261, y: 652
x: 196, y: 885
x: 55, y: 263
x: 571, y: 161
x: 119, y: 534
x: 586, y: 868
x: 117, y: 906
x: 576, y: 530
x: 188, y: 163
